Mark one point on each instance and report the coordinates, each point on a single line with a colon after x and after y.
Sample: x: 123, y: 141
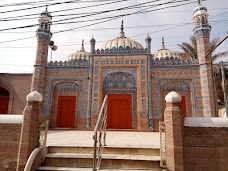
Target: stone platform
x: 114, y: 138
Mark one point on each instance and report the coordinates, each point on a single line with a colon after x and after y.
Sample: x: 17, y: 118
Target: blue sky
x: 19, y: 56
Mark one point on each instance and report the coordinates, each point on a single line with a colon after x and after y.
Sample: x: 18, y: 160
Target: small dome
x: 200, y: 8
x: 92, y: 40
x: 45, y: 13
x: 121, y: 42
x: 79, y: 54
x: 164, y: 53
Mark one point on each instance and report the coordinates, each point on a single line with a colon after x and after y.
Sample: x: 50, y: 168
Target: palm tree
x: 191, y: 48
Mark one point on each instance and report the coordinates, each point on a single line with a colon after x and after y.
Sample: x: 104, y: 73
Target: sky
x: 165, y: 19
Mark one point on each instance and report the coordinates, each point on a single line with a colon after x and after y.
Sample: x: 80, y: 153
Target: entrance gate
x: 66, y: 111
x: 119, y: 111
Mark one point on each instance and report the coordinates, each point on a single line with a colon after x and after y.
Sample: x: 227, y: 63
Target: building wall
x: 9, y: 144
x: 181, y: 79
x: 19, y: 86
x: 56, y: 76
x: 135, y: 65
x: 205, y: 149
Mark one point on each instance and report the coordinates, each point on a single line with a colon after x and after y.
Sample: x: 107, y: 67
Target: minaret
x: 148, y: 43
x: 92, y: 45
x: 202, y: 34
x: 43, y: 38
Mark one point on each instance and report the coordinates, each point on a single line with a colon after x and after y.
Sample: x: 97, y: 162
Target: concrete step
x: 53, y: 168
x: 107, y: 150
x: 108, y: 160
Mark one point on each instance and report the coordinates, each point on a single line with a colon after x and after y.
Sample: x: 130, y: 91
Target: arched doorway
x: 184, y: 89
x: 4, y: 101
x: 121, y: 90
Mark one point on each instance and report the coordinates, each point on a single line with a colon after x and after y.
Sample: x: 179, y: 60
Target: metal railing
x: 43, y: 128
x: 99, y: 135
x: 162, y: 144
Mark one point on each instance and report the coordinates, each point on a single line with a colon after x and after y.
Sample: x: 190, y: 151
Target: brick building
x: 135, y: 80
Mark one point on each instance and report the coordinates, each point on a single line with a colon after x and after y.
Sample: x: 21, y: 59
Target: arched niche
x: 119, y: 80
x: 6, y: 91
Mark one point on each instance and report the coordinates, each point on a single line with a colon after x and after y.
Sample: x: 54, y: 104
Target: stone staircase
x: 114, y: 158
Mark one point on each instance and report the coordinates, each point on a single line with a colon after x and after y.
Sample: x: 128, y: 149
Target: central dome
x: 121, y: 42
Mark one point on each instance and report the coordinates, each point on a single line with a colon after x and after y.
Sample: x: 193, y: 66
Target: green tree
x: 191, y: 48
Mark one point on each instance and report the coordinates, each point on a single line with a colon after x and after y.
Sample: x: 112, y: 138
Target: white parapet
x: 11, y: 119
x: 205, y: 122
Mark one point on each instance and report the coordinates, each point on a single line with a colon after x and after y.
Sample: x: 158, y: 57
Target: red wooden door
x: 120, y: 111
x: 4, y: 102
x: 66, y: 111
x: 183, y: 105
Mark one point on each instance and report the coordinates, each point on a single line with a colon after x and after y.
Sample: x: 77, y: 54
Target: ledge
x: 11, y: 119
x: 205, y: 122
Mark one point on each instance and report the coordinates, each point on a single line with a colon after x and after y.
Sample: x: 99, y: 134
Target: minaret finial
x: 82, y: 48
x: 163, y: 43
x: 122, y: 30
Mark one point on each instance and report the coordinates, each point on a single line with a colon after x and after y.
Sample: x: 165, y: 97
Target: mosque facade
x: 135, y: 80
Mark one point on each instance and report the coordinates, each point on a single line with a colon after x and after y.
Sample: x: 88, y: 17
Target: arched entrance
x: 121, y: 90
x: 183, y: 88
x: 4, y: 101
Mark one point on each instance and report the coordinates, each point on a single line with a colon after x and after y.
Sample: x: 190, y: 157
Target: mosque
x: 135, y: 80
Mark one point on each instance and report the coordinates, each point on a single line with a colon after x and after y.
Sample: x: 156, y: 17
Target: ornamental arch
x: 184, y: 88
x: 65, y: 99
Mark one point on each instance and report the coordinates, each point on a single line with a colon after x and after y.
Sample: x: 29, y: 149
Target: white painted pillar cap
x: 173, y: 97
x: 34, y: 97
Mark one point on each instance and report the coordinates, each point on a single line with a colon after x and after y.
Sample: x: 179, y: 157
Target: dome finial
x: 46, y: 7
x: 163, y: 44
x: 82, y: 48
x: 199, y: 2
x: 122, y: 30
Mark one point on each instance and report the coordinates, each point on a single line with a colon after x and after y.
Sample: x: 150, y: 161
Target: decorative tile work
x: 107, y: 71
x: 120, y: 51
x: 135, y: 62
x: 104, y: 62
x: 174, y: 62
x: 95, y: 86
x: 96, y: 70
x: 73, y: 63
x: 143, y: 86
x: 120, y: 62
x: 78, y: 76
x: 142, y: 61
x: 143, y: 70
x: 161, y: 87
x: 95, y: 103
x: 119, y: 80
x: 66, y: 86
x: 176, y: 85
